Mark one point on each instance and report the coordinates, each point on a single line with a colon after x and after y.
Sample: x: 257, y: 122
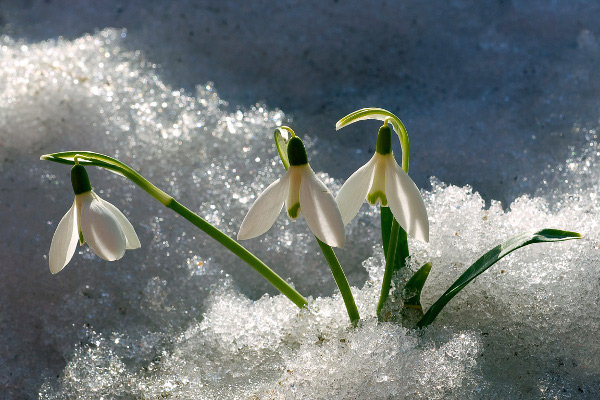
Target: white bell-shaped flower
x: 302, y: 192
x: 93, y: 221
x: 382, y: 179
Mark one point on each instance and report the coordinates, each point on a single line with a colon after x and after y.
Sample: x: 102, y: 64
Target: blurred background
x: 469, y: 79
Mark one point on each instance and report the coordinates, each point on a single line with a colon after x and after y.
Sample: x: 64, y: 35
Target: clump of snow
x: 183, y: 318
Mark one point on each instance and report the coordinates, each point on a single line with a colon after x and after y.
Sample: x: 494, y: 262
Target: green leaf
x: 411, y: 295
x: 412, y: 311
x: 489, y: 259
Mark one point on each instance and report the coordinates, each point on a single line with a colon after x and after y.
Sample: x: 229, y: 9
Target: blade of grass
x: 412, y: 290
x: 489, y: 259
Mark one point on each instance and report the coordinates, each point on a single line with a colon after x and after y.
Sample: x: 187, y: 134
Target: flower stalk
x: 101, y: 160
x: 281, y: 142
x: 241, y: 252
x: 341, y: 281
x: 382, y: 180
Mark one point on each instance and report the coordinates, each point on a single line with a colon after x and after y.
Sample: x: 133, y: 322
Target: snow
x: 183, y: 318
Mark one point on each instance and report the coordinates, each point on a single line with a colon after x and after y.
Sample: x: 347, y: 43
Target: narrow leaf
x: 401, y: 250
x: 489, y: 259
x: 411, y: 295
x: 412, y: 311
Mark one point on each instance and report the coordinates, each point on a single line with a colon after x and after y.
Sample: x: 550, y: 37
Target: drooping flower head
x: 383, y: 180
x: 93, y: 221
x: 303, y: 193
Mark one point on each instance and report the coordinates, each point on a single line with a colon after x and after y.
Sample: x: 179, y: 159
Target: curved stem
x: 389, y: 268
x: 241, y: 252
x: 101, y: 160
x: 104, y: 161
x: 341, y: 281
x: 381, y: 115
x: 404, y: 143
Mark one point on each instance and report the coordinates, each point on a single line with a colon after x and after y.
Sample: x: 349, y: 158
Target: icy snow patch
x: 183, y: 318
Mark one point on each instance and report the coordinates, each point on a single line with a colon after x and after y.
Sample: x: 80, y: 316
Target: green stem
x: 100, y: 160
x: 401, y: 250
x: 341, y: 281
x: 389, y: 268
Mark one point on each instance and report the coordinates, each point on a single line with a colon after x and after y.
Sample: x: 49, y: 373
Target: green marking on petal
x: 294, y: 211
x: 372, y: 198
x: 81, y: 241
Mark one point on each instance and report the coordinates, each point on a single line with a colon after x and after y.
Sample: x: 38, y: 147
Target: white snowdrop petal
x: 353, y: 192
x: 320, y: 210
x: 292, y: 200
x: 405, y: 201
x: 101, y: 229
x: 64, y: 242
x: 265, y: 209
x: 131, y: 238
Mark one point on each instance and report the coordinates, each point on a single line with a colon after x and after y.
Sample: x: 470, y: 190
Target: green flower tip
x: 384, y: 140
x: 80, y: 180
x: 296, y: 152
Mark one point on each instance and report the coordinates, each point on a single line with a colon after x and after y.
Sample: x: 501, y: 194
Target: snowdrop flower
x: 95, y: 221
x: 301, y: 191
x: 383, y: 180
